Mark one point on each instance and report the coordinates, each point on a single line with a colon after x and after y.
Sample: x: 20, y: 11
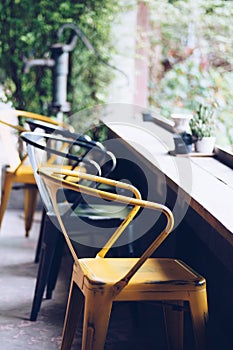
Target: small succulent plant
x: 202, y: 123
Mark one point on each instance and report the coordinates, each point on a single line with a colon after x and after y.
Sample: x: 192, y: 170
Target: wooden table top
x: 204, y: 182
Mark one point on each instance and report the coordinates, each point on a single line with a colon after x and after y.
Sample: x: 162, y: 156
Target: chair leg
x: 174, y: 322
x: 97, y: 312
x: 73, y: 314
x: 30, y: 196
x: 55, y: 265
x: 6, y: 191
x: 40, y: 239
x: 199, y: 312
x: 46, y: 258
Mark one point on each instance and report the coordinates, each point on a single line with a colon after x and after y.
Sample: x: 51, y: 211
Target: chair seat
x: 155, y: 271
x: 101, y: 211
x: 25, y: 173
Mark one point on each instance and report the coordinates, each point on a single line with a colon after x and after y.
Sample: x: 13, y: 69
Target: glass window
x: 191, y: 60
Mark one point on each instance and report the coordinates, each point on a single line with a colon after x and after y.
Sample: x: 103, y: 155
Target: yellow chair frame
x: 97, y: 282
x: 21, y: 172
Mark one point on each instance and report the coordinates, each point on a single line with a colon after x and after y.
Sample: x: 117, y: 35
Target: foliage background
x: 29, y: 28
x: 195, y: 64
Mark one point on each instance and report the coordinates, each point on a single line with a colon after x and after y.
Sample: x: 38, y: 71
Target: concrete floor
x: 17, y: 281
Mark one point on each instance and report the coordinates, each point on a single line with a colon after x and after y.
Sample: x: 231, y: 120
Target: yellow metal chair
x: 17, y: 170
x: 97, y: 282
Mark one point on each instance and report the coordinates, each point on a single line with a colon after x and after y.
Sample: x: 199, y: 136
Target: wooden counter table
x: 199, y: 190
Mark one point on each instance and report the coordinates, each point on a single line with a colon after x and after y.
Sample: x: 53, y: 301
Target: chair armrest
x: 55, y: 180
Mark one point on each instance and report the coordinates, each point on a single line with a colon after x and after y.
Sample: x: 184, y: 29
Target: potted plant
x: 202, y: 126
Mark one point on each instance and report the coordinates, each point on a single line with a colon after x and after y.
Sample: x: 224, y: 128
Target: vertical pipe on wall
x: 142, y: 55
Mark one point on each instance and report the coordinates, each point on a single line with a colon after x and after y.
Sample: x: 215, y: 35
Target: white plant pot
x: 205, y: 145
x: 181, y: 122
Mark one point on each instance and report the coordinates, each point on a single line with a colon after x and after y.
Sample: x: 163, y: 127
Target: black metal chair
x: 48, y: 128
x: 69, y: 153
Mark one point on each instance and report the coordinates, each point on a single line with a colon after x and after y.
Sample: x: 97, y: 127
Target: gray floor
x: 17, y: 281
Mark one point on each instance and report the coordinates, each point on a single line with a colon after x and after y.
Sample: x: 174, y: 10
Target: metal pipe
x: 60, y: 76
x: 47, y: 62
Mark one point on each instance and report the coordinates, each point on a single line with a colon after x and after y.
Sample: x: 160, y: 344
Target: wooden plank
x: 210, y: 192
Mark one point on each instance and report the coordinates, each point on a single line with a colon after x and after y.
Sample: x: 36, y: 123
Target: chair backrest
x: 38, y: 117
x: 55, y: 180
x: 48, y: 128
x: 9, y: 130
x: 62, y: 152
